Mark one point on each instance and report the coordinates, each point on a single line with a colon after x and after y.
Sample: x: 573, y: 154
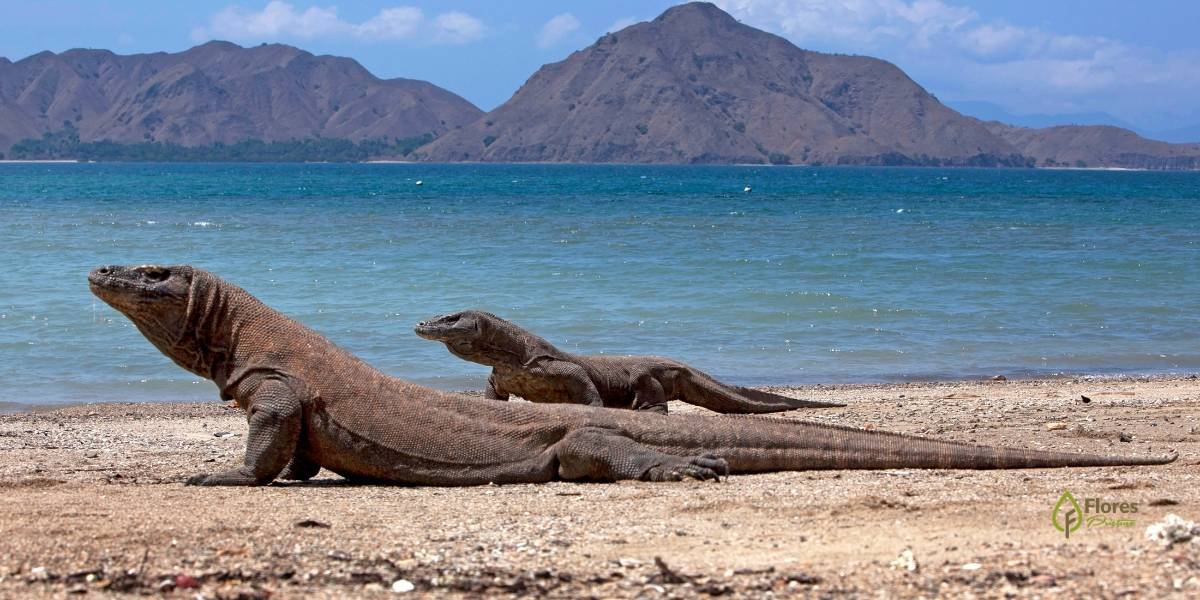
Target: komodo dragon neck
x: 218, y: 316
x: 502, y: 344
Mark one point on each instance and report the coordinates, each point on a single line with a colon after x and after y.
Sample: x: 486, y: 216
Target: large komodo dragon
x: 311, y: 404
x: 532, y: 368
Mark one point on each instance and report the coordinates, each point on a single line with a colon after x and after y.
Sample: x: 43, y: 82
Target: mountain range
x: 216, y: 93
x: 691, y: 86
x: 988, y: 111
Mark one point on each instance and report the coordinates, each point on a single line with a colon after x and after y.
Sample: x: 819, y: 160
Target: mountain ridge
x: 217, y: 92
x: 693, y: 85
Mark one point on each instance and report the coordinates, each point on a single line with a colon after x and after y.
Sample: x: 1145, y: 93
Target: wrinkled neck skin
x: 205, y: 345
x: 503, y: 344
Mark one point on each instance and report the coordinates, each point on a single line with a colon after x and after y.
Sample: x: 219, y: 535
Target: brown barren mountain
x: 216, y: 92
x: 691, y: 86
x: 1097, y: 146
x: 696, y: 86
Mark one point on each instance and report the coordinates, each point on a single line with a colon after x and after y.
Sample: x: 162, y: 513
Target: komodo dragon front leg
x: 648, y: 395
x: 275, y: 415
x: 604, y: 455
x: 493, y: 391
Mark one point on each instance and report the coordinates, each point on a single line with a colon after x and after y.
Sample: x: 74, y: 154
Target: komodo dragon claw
x: 703, y: 468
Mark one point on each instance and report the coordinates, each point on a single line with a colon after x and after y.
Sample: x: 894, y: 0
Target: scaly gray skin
x: 311, y: 404
x: 532, y: 368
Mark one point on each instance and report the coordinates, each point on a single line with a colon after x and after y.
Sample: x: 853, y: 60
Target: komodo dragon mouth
x: 459, y: 325
x: 143, y: 278
x: 133, y: 287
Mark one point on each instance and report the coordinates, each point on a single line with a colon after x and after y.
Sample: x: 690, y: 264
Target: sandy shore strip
x: 33, y: 161
x: 93, y: 504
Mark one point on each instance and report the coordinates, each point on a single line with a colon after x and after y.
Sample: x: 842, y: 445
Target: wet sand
x: 93, y: 504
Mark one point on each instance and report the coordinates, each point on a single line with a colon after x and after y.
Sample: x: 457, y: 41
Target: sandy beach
x: 93, y: 504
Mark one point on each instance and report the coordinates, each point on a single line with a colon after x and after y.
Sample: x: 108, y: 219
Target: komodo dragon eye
x: 156, y: 274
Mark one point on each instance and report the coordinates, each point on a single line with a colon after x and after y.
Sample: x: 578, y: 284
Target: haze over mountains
x: 691, y: 86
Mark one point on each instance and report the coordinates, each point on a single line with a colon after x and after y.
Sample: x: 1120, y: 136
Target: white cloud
x: 283, y: 20
x: 557, y: 29
x: 917, y: 25
x: 391, y: 23
x: 957, y: 52
x: 458, y: 27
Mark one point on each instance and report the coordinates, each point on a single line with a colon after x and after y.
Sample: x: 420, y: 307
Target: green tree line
x: 65, y: 145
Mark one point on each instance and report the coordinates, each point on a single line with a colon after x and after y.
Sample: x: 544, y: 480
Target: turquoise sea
x: 816, y: 275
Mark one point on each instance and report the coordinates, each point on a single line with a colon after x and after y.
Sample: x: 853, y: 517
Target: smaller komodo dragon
x: 532, y: 368
x: 311, y: 404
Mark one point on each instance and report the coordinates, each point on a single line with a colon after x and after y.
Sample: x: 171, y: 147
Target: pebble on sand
x: 1172, y: 530
x: 185, y: 582
x: 905, y: 561
x: 312, y: 523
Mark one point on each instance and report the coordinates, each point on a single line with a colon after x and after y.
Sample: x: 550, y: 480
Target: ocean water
x: 816, y: 275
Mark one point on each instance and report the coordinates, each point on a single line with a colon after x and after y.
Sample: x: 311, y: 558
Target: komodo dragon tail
x: 703, y: 390
x: 760, y: 444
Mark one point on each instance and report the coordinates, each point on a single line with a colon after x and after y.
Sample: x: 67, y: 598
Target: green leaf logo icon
x: 1067, y: 515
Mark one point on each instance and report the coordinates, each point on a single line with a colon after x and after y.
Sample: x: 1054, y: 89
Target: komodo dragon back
x: 312, y: 405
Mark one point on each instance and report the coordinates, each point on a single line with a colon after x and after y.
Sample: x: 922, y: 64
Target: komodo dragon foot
x: 702, y: 468
x: 235, y: 477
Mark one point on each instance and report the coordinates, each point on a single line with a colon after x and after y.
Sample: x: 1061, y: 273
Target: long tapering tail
x: 768, y: 399
x: 702, y: 390
x: 761, y: 444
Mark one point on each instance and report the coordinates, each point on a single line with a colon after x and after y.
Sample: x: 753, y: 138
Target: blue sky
x: 1136, y: 62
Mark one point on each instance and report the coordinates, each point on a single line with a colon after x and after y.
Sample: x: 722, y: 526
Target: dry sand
x: 92, y: 504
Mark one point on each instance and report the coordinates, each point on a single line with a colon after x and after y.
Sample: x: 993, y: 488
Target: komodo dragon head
x: 173, y: 306
x: 460, y: 331
x: 478, y: 336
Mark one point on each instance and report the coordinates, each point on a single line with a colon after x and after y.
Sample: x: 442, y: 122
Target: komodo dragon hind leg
x: 275, y: 421
x: 603, y: 455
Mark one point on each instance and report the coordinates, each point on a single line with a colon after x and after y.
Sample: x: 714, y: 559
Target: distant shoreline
x: 35, y: 161
x: 413, y: 162
x: 16, y: 408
